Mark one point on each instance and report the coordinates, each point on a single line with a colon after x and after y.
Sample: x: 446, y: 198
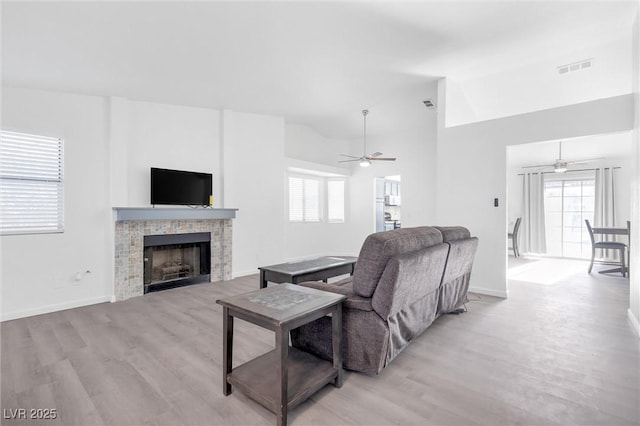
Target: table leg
x: 263, y: 281
x: 227, y: 349
x: 282, y: 346
x: 336, y: 342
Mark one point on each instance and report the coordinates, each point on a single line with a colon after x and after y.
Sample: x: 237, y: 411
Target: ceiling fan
x: 560, y: 166
x: 366, y: 159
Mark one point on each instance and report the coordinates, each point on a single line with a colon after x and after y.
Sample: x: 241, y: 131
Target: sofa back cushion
x: 453, y: 233
x: 460, y: 259
x: 457, y: 274
x: 378, y: 248
x: 408, y: 278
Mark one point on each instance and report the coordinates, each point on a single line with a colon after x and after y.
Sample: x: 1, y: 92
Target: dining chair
x: 513, y: 236
x: 606, y: 245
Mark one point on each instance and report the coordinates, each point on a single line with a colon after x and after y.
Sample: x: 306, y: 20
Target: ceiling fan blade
x: 590, y: 160
x: 366, y: 159
x: 539, y: 166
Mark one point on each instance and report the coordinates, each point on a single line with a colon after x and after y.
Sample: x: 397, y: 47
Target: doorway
x: 388, y: 203
x: 553, y: 214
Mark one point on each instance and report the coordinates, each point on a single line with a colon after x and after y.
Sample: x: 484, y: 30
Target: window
x: 313, y: 198
x: 335, y: 201
x: 304, y: 199
x: 31, y: 186
x: 567, y: 203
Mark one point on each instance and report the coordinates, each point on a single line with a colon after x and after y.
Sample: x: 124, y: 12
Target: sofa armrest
x: 353, y: 301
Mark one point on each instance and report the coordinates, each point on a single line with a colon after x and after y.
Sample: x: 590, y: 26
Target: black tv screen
x: 180, y: 187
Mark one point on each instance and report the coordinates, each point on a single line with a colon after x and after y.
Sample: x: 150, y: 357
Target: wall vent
x: 576, y: 66
x: 429, y: 103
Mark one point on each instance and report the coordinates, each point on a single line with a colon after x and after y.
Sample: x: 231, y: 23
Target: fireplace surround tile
x: 129, y: 246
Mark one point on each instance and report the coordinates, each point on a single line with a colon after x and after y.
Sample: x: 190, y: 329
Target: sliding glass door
x: 568, y: 201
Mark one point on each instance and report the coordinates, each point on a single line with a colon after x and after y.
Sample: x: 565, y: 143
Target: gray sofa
x: 403, y: 280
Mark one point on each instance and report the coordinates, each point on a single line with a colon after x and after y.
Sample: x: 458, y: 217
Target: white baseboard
x: 489, y: 292
x: 6, y: 316
x: 634, y: 322
x: 244, y: 273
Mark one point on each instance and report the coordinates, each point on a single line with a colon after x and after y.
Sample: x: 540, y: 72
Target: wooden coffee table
x: 307, y: 270
x: 283, y: 378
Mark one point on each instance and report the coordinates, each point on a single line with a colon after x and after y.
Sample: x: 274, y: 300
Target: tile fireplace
x: 192, y: 246
x: 176, y: 260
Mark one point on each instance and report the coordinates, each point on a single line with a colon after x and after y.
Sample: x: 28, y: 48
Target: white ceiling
x: 315, y: 63
x: 613, y: 146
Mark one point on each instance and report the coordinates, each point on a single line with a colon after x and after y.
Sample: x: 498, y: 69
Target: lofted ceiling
x: 315, y: 63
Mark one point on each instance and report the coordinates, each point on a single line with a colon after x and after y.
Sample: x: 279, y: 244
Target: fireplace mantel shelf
x: 172, y: 213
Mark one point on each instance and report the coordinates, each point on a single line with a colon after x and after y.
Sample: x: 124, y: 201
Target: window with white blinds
x: 316, y: 198
x: 304, y: 199
x: 31, y: 184
x: 335, y: 201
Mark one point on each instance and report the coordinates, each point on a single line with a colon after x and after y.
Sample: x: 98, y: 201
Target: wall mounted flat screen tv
x: 178, y: 187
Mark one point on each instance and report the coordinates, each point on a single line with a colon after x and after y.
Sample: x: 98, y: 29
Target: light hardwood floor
x: 550, y: 354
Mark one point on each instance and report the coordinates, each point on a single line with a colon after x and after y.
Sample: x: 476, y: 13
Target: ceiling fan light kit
x: 366, y: 159
x: 560, y: 167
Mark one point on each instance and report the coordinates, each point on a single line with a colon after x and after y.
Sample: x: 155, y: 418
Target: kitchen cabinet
x: 391, y: 188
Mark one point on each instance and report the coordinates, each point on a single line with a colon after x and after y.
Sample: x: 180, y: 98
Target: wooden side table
x: 283, y: 378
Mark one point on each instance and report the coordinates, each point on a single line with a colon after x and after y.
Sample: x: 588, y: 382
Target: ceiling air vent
x: 429, y: 103
x: 576, y: 66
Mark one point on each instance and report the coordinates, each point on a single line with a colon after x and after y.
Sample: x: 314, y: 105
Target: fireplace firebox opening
x: 176, y: 260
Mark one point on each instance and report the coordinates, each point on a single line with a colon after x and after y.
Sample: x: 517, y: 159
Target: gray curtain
x: 532, y: 227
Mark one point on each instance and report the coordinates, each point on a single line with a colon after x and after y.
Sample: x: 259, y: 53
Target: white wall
x: 110, y: 144
x: 38, y: 270
x: 313, y: 239
x: 472, y: 170
x: 171, y: 137
x: 415, y: 150
x: 304, y: 143
x: 537, y: 85
x: 254, y: 182
x: 413, y: 143
x: 308, y: 150
x: 634, y: 281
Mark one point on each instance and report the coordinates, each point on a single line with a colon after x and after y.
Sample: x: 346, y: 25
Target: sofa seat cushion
x: 378, y: 248
x: 345, y: 287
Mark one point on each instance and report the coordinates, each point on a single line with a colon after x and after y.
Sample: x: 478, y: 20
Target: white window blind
x: 335, y: 201
x: 296, y: 199
x: 304, y: 199
x: 31, y: 184
x: 311, y: 200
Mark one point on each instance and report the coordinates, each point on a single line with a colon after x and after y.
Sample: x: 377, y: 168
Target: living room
x: 125, y: 99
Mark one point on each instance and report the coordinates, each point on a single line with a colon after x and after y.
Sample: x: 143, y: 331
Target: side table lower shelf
x: 258, y: 378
